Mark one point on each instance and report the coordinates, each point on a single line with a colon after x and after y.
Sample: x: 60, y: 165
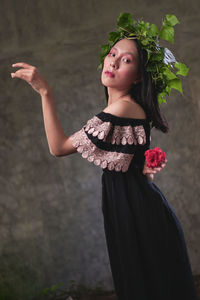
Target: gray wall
x: 51, y: 221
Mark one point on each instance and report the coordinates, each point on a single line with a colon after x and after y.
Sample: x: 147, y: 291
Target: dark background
x: 50, y: 208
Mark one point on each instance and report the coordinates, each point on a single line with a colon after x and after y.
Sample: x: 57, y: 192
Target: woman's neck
x: 116, y: 95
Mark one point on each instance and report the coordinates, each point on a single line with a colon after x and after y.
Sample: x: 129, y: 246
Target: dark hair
x: 145, y: 94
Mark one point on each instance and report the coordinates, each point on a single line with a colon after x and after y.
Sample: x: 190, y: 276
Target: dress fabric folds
x: 145, y: 240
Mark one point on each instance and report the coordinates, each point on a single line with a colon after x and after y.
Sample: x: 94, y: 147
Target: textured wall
x: 51, y: 221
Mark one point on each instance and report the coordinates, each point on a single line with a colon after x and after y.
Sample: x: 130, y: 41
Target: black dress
x: 145, y: 241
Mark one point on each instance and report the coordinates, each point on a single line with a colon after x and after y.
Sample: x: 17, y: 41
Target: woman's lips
x: 109, y: 74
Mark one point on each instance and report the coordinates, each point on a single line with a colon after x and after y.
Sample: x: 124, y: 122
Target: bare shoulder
x: 126, y: 109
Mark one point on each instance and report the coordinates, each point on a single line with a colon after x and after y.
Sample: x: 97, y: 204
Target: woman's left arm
x: 150, y: 172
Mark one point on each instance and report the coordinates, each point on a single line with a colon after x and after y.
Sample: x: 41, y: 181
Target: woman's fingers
x: 152, y: 170
x: 23, y: 65
x: 157, y: 169
x: 25, y: 74
x: 147, y: 170
x: 22, y: 73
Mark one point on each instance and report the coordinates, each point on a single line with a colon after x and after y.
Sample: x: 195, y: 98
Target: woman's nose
x: 113, y: 64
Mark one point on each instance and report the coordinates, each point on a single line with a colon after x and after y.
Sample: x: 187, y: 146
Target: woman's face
x: 120, y: 69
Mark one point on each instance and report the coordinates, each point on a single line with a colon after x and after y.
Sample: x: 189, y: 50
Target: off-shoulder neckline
x: 121, y: 118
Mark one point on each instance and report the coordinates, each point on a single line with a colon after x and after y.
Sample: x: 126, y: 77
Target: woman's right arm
x: 59, y: 143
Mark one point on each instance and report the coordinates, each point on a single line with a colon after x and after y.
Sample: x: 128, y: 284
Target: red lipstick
x: 110, y: 74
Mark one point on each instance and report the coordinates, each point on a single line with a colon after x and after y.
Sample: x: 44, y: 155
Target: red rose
x: 154, y: 157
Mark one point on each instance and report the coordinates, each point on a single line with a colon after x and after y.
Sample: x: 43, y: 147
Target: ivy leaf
x: 167, y: 33
x: 151, y: 67
x: 145, y: 42
x: 176, y: 84
x: 100, y: 66
x: 153, y: 31
x: 144, y: 26
x: 105, y: 49
x: 158, y: 56
x: 170, y: 75
x: 182, y: 69
x: 124, y: 20
x: 149, y: 52
x: 171, y: 20
x: 161, y: 98
x: 168, y: 90
x: 113, y: 36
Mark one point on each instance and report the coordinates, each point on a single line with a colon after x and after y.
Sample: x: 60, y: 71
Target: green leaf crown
x: 160, y: 60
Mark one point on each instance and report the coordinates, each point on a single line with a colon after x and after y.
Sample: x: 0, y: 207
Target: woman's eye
x: 112, y: 54
x: 126, y: 60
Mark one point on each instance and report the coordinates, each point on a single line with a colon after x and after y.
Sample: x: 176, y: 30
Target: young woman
x: 145, y: 240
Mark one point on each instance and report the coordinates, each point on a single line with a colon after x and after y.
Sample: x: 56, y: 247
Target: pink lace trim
x: 128, y: 135
x: 116, y: 134
x: 97, y: 127
x: 105, y: 159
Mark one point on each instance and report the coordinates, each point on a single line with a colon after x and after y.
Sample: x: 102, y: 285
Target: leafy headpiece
x: 160, y: 60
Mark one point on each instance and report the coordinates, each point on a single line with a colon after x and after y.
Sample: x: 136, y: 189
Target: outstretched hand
x: 32, y: 76
x: 149, y: 172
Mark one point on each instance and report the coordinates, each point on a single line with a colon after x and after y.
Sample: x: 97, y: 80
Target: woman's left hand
x: 149, y: 172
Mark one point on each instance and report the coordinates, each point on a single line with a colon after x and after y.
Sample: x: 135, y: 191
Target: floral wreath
x: 160, y: 60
